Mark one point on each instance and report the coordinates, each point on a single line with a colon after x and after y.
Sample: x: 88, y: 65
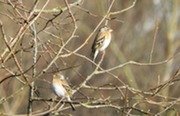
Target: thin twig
x: 154, y: 39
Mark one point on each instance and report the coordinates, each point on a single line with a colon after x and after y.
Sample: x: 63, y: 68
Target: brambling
x: 61, y: 87
x: 101, y: 42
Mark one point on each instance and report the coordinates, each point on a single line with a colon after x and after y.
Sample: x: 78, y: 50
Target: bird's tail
x: 94, y: 54
x: 70, y: 102
x: 72, y: 106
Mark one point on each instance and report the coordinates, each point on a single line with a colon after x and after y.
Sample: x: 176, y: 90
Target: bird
x: 61, y: 88
x: 101, y: 41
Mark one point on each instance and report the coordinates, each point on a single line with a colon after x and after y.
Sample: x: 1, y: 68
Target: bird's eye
x: 62, y: 77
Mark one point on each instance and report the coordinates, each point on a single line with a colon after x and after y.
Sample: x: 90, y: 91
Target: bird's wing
x: 67, y: 87
x: 99, y: 40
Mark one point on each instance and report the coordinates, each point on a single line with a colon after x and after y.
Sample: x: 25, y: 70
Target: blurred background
x: 147, y: 33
